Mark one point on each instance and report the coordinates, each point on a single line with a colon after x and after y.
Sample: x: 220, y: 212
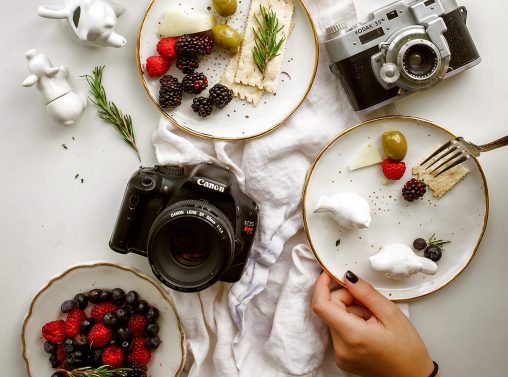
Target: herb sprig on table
x: 102, y: 371
x: 267, y: 45
x: 108, y: 111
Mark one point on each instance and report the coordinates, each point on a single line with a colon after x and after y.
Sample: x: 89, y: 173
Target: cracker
x: 251, y: 94
x: 443, y: 183
x: 247, y: 72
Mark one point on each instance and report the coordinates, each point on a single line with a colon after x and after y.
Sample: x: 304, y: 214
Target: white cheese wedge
x: 368, y: 155
x: 179, y: 21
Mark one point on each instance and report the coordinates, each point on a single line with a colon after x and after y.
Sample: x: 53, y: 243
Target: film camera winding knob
x: 338, y: 28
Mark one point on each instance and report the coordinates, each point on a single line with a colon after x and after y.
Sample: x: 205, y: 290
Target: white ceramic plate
x: 239, y: 120
x: 166, y: 361
x: 460, y: 216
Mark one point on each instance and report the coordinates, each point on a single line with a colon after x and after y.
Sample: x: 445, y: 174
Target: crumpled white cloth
x: 263, y: 326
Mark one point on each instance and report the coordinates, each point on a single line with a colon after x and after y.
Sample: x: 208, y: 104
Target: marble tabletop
x: 50, y: 220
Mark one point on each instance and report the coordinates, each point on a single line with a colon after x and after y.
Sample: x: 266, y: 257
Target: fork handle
x: 502, y: 142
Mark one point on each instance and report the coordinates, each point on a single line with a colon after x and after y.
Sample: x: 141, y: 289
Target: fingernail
x: 351, y: 277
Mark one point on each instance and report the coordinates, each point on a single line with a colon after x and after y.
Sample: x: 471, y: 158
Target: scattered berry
x: 94, y: 296
x: 170, y: 92
x: 167, y: 47
x: 54, y: 331
x: 185, y: 45
x: 433, y: 252
x: 220, y: 95
x: 81, y: 301
x: 136, y: 325
x: 99, y: 335
x: 194, y: 83
x: 139, y: 354
x: 157, y: 66
x: 99, y: 310
x: 187, y: 64
x: 202, y: 105
x: 419, y: 244
x: 204, y: 44
x: 67, y: 306
x: 153, y: 342
x: 393, y: 169
x: 413, y: 189
x: 73, y: 321
x: 112, y: 355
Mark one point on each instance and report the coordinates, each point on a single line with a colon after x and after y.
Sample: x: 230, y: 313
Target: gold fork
x: 457, y: 151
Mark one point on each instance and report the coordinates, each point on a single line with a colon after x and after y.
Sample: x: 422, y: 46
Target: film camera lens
x: 190, y: 244
x: 420, y: 61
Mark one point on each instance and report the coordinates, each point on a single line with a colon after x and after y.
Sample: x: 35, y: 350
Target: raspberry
x: 157, y: 66
x: 99, y: 335
x: 392, y: 169
x: 54, y: 331
x: 166, y: 47
x: 112, y: 355
x: 99, y: 310
x: 139, y: 354
x: 137, y: 325
x: 73, y: 321
x: 60, y: 353
x: 194, y: 83
x: 413, y: 189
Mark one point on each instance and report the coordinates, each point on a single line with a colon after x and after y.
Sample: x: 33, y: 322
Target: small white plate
x: 166, y: 361
x: 460, y: 216
x: 239, y: 119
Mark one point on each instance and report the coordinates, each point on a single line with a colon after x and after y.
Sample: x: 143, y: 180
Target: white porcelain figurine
x: 398, y: 261
x: 92, y: 22
x: 348, y: 209
x: 64, y: 105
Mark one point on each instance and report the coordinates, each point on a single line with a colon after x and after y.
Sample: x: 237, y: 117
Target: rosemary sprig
x: 102, y: 371
x: 108, y: 111
x: 267, y: 45
x: 435, y: 242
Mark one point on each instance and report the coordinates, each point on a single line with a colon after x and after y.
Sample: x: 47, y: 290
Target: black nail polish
x: 351, y: 277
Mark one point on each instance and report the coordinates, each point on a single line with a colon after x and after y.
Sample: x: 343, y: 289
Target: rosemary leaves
x: 267, y: 44
x: 102, y: 371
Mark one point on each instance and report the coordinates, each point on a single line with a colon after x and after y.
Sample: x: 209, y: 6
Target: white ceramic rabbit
x: 350, y: 210
x: 92, y: 22
x: 398, y: 261
x: 64, y: 105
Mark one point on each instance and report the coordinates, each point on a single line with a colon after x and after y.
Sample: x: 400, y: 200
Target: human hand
x: 371, y: 336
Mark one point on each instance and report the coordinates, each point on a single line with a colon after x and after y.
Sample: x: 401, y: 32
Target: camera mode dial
x: 176, y: 171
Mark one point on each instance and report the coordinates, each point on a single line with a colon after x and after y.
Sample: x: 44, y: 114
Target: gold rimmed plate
x: 239, y: 120
x: 166, y: 361
x: 460, y: 216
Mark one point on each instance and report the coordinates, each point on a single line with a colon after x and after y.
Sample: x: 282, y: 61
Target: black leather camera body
x: 195, y: 228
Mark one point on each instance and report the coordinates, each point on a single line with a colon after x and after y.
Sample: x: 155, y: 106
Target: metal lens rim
x: 401, y: 59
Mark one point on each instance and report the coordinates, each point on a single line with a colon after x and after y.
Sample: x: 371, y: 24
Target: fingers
x: 382, y: 308
x: 359, y: 311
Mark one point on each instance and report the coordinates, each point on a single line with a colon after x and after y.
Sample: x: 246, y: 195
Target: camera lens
x: 420, y: 61
x: 191, y: 243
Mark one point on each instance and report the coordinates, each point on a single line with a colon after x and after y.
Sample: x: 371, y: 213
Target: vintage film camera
x: 402, y: 48
x: 194, y: 228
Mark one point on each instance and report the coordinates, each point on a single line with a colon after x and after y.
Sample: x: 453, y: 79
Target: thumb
x: 364, y: 293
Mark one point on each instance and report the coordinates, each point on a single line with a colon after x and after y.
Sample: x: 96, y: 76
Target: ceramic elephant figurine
x: 64, y: 105
x: 92, y: 22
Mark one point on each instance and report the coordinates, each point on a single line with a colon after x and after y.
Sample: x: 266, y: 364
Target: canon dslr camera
x: 403, y: 48
x: 194, y: 228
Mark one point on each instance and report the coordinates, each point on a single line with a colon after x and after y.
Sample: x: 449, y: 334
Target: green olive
x: 394, y: 145
x: 225, y: 8
x: 226, y: 37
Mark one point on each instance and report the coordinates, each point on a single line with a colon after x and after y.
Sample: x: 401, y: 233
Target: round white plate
x: 460, y: 216
x: 239, y: 119
x: 166, y: 361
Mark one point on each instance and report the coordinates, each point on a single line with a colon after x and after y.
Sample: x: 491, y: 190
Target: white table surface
x: 50, y: 220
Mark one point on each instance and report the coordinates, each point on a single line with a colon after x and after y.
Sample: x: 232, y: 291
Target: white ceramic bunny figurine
x: 64, y: 105
x: 398, y: 261
x: 348, y: 209
x: 92, y: 22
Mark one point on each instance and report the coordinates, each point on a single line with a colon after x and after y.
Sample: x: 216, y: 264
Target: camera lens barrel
x: 191, y: 243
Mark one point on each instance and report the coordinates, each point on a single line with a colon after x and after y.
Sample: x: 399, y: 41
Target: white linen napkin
x: 263, y: 326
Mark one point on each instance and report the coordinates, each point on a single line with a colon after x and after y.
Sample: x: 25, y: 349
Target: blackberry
x: 186, y: 45
x: 204, y: 44
x: 187, y: 63
x: 419, y: 244
x: 67, y: 306
x: 170, y: 95
x: 137, y: 370
x: 433, y: 252
x: 194, y: 83
x: 118, y: 296
x: 220, y: 95
x: 203, y: 106
x: 80, y: 301
x: 413, y: 189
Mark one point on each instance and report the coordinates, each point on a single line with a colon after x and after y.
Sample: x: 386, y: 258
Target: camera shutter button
x: 389, y: 73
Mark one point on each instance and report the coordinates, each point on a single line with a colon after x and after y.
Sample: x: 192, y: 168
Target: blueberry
x: 152, y: 342
x: 126, y: 346
x: 419, y: 244
x: 105, y: 296
x: 131, y: 309
x: 68, y: 346
x: 142, y: 307
x: 81, y: 301
x: 94, y: 296
x: 122, y: 314
x: 433, y: 252
x: 123, y: 333
x: 58, y: 374
x: 131, y: 297
x: 53, y: 361
x: 152, y: 315
x: 152, y: 329
x: 50, y: 348
x: 78, y: 356
x: 96, y: 357
x: 110, y: 320
x: 68, y: 363
x: 118, y: 296
x: 67, y: 306
x: 86, y: 325
x: 79, y: 341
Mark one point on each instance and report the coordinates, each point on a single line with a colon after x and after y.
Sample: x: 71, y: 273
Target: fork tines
x: 447, y: 155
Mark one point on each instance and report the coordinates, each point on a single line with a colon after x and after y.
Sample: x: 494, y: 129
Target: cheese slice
x: 179, y: 21
x: 368, y: 155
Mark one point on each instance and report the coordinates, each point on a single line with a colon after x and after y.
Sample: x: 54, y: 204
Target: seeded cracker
x: 443, y: 183
x: 251, y: 94
x: 247, y: 72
